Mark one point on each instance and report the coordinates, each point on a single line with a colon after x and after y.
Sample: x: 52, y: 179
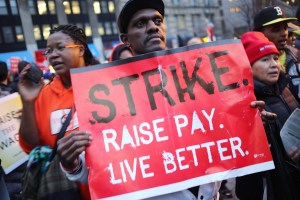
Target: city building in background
x: 239, y: 14
x: 25, y: 24
x: 187, y: 18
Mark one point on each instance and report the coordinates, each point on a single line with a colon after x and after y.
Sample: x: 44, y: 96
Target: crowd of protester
x: 275, y: 64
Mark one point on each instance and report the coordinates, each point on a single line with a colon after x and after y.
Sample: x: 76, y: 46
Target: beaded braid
x: 78, y: 35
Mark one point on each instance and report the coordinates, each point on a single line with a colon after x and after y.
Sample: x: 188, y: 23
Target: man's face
x: 145, y: 32
x: 277, y: 33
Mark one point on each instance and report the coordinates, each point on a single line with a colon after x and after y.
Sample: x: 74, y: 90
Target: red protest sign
x: 40, y: 60
x: 14, y: 61
x: 170, y: 120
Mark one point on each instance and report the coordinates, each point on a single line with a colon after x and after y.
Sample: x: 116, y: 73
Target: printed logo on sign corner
x: 58, y: 117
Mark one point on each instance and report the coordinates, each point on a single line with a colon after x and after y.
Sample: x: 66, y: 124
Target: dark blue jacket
x: 284, y: 181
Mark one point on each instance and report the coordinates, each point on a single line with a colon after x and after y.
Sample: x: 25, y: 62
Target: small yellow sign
x: 11, y: 153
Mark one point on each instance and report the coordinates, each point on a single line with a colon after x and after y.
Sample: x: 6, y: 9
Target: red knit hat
x: 257, y: 45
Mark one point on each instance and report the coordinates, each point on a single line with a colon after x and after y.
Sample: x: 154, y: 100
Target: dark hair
x: 78, y: 35
x: 116, y: 52
x: 3, y: 71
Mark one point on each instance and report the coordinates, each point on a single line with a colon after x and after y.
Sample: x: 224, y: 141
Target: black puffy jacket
x: 284, y: 181
x: 278, y: 98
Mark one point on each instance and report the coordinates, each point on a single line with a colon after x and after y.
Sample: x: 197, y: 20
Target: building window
x: 13, y: 7
x: 221, y: 13
x: 192, y: 2
x: 3, y: 8
x: 111, y: 7
x: 83, y: 7
x: 52, y: 9
x: 171, y: 21
x: 97, y: 8
x: 75, y: 7
x: 210, y: 17
x: 46, y: 31
x: 115, y: 28
x: 37, y: 33
x: 180, y: 21
x: 107, y: 28
x: 19, y: 34
x: 101, y: 29
x: 207, y: 3
x: 8, y: 34
x: 104, y: 7
x: 235, y: 9
x: 175, y: 2
x: 31, y: 7
x: 67, y: 7
x: 88, y: 30
x: 196, y: 20
x: 42, y: 7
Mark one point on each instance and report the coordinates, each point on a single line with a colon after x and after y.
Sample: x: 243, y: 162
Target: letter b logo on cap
x: 278, y: 9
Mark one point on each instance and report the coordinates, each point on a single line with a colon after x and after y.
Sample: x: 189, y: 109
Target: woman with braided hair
x: 79, y: 37
x: 45, y: 107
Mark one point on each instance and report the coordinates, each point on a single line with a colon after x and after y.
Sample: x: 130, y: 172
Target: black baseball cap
x: 270, y: 15
x: 132, y: 6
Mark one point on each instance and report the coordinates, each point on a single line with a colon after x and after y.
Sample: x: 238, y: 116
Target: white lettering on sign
x: 181, y: 121
x: 182, y: 158
x: 173, y: 163
x: 145, y: 134
x: 138, y: 165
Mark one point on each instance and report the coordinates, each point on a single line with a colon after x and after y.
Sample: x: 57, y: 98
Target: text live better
x: 147, y: 133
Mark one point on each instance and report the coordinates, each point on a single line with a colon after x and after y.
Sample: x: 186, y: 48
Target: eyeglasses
x: 59, y: 49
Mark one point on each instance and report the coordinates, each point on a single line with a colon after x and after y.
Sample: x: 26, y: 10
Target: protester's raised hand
x: 265, y: 115
x: 27, y: 89
x: 71, y: 146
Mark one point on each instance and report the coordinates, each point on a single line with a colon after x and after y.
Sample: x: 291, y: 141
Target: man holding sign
x: 142, y: 28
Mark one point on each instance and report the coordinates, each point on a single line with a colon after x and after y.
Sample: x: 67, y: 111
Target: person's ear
x: 81, y: 50
x: 124, y: 39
